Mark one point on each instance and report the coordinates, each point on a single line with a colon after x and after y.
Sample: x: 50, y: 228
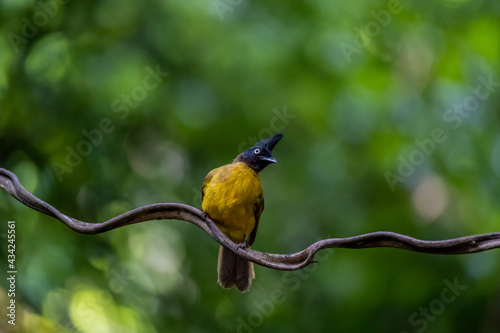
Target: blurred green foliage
x: 91, y: 122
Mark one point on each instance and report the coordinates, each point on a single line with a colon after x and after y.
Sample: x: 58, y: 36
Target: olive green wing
x: 207, y: 180
x: 258, y: 207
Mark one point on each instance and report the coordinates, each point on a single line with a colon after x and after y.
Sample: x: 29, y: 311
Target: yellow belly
x: 230, y: 197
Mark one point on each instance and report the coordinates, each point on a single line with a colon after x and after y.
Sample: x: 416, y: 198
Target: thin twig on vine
x: 288, y: 262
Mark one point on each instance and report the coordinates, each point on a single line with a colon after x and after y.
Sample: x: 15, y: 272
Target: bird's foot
x: 242, y: 245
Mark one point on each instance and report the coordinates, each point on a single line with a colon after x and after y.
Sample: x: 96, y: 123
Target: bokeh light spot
x: 430, y: 198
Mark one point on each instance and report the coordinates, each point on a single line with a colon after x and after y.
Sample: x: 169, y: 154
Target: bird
x: 232, y: 197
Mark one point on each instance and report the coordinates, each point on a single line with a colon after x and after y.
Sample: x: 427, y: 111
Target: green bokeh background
x: 351, y: 85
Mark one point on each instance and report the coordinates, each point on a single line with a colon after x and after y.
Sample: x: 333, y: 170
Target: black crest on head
x: 270, y: 143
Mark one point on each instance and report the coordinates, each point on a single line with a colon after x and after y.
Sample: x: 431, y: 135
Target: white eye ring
x: 256, y: 151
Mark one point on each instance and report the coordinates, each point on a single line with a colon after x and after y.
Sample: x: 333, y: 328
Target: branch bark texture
x: 289, y: 262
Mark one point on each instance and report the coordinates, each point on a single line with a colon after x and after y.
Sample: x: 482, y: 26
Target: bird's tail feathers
x: 233, y: 270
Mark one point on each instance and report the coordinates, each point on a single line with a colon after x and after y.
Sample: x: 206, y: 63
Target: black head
x: 260, y: 155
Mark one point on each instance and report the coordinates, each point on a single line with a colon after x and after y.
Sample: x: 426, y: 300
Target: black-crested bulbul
x: 232, y: 197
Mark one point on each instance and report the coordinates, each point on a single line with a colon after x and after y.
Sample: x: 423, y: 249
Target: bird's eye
x: 256, y: 151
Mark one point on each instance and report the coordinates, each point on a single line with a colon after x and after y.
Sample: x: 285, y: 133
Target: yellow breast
x: 230, y: 193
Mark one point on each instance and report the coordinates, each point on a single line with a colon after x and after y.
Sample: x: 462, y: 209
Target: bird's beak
x: 268, y: 159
